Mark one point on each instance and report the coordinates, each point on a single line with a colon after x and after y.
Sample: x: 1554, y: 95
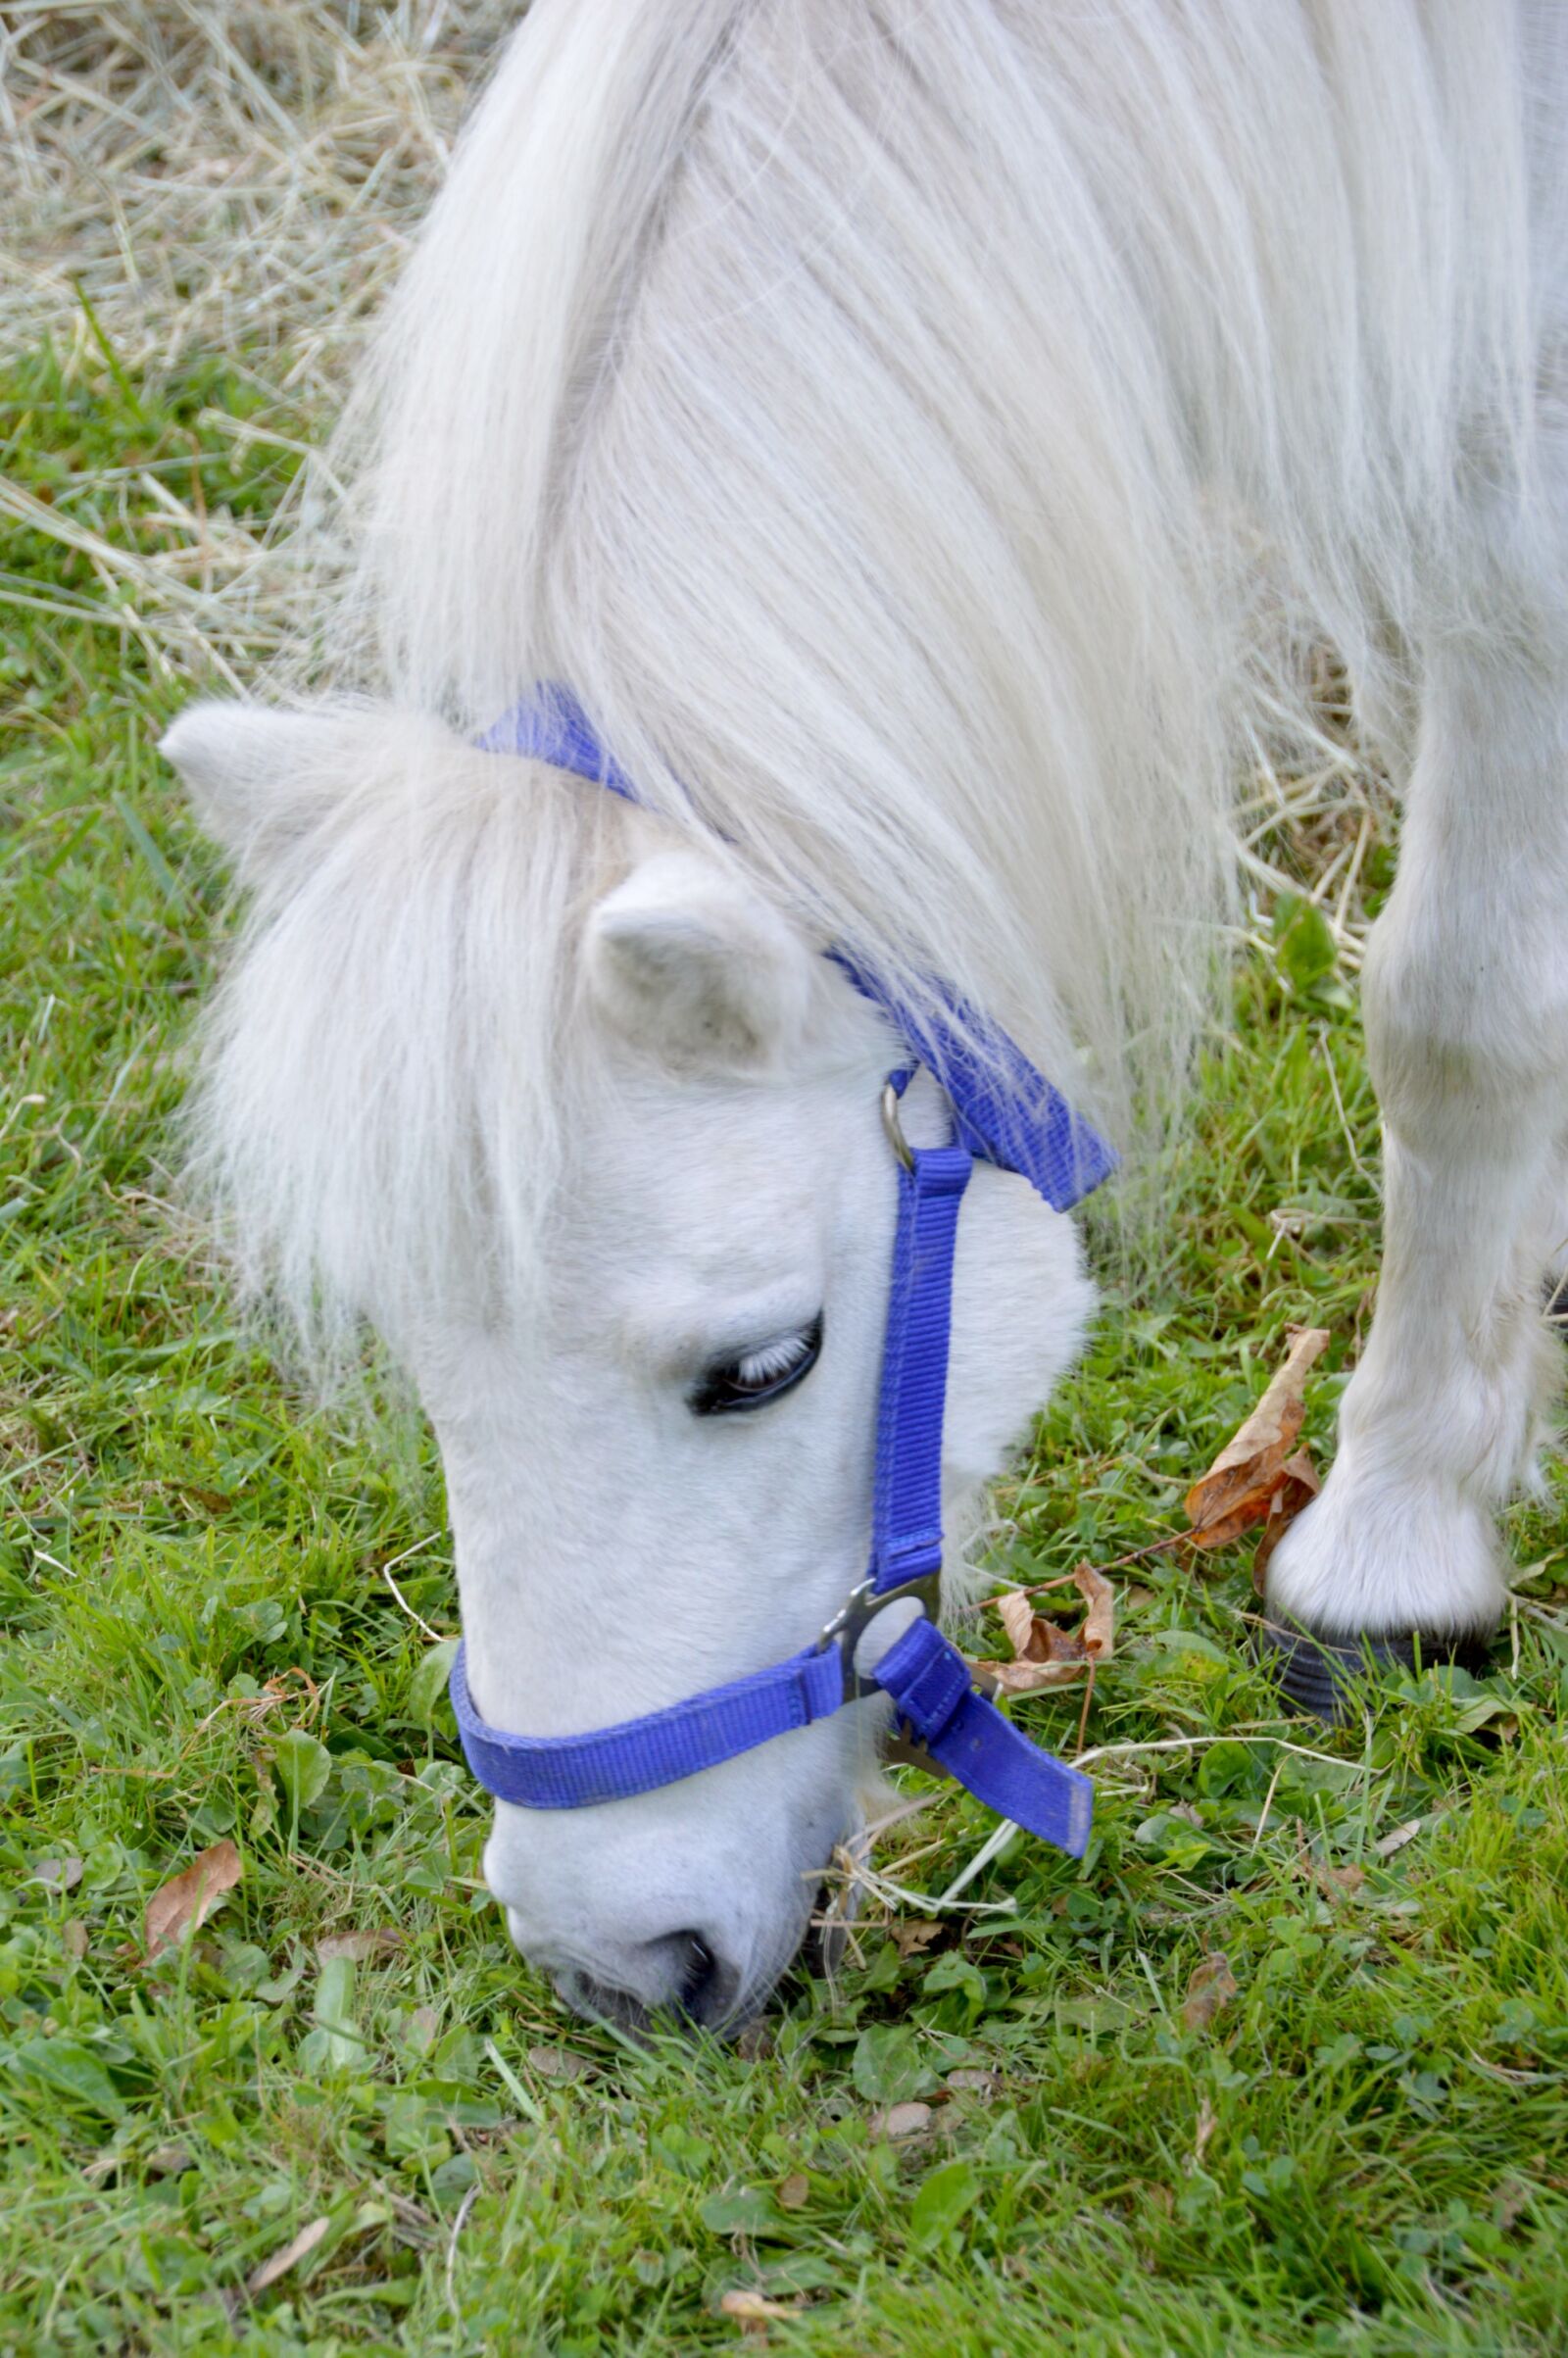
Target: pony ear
x: 692, y: 965
x: 256, y: 778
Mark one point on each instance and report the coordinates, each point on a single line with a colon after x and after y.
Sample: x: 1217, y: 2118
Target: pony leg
x: 1465, y: 1003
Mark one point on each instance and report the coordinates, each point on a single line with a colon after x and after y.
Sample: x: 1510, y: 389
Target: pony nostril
x: 678, y: 1979
x: 700, y: 1980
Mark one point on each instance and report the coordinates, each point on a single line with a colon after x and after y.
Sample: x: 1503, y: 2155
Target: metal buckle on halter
x: 856, y: 1614
x: 892, y: 1126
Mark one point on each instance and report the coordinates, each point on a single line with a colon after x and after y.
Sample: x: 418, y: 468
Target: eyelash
x: 730, y: 1387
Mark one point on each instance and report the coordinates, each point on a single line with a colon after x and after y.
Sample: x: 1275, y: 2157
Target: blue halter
x: 1021, y: 1125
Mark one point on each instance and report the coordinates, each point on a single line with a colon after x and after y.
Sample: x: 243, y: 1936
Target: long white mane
x: 913, y: 431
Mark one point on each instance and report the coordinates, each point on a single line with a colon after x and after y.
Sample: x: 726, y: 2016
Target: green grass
x: 1366, y: 2151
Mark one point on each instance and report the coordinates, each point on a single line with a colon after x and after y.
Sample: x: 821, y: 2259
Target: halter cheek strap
x: 1024, y: 1127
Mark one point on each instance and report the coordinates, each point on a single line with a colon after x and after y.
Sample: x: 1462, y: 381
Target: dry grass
x: 226, y: 175
x: 185, y: 178
x: 1310, y: 825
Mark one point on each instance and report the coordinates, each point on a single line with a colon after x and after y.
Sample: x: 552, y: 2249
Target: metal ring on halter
x: 892, y: 1128
x: 861, y: 1608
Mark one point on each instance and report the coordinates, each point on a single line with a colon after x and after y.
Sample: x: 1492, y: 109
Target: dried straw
x: 187, y: 178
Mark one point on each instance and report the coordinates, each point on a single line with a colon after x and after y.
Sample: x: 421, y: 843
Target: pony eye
x: 757, y: 1376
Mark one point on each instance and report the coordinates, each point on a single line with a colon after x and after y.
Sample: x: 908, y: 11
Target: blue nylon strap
x: 907, y: 1510
x: 551, y: 726
x: 636, y: 1755
x: 933, y: 1692
x: 1021, y: 1125
x: 1019, y: 1122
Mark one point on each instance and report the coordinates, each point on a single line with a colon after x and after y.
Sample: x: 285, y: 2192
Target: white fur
x: 680, y: 1551
x: 1465, y: 999
x: 919, y: 434
x: 702, y: 974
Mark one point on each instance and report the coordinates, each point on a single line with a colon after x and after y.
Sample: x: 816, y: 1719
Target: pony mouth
x: 708, y: 2006
x: 688, y: 1992
x: 711, y: 1997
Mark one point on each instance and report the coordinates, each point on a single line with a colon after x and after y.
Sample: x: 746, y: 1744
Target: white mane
x: 881, y: 414
x: 390, y: 1063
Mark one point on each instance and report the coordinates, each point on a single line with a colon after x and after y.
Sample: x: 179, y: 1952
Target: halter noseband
x: 1018, y: 1122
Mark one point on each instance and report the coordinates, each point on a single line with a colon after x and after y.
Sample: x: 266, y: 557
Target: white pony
x: 911, y: 431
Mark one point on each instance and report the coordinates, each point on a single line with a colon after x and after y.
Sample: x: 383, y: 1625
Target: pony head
x: 578, y: 1118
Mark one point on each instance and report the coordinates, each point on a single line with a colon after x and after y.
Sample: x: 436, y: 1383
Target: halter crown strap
x: 551, y: 726
x: 1020, y: 1124
x: 1004, y: 1109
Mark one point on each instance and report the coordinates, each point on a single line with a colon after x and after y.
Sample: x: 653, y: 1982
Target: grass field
x: 1365, y: 2149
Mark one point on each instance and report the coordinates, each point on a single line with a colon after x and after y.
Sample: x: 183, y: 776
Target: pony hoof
x: 1321, y: 1678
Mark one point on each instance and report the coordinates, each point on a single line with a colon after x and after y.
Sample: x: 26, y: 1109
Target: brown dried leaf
x: 357, y: 1946
x: 1236, y: 1491
x: 1057, y: 1669
x: 1513, y: 2197
x: 1097, y: 1637
x: 1340, y: 1883
x: 902, y: 2120
x: 187, y: 1901
x: 1038, y: 1644
x: 1213, y: 1986
x: 300, y: 2248
x: 1043, y: 1653
x: 422, y: 2027
x: 752, y: 2311
x: 793, y: 2193
x: 215, y: 1501
x: 558, y: 2063
x: 914, y: 1934
x: 1299, y: 1486
x: 966, y: 2082
x: 1018, y: 1618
